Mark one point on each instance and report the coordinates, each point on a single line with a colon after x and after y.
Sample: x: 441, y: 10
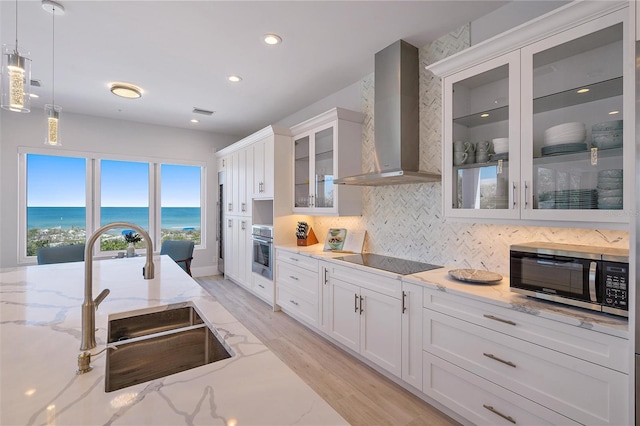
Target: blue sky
x: 54, y: 181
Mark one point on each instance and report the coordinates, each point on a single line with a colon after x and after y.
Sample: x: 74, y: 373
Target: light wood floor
x: 360, y: 394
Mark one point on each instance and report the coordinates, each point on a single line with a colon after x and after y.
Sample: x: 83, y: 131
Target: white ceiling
x: 180, y: 53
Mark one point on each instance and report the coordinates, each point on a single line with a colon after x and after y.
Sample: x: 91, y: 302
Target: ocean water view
x: 68, y: 217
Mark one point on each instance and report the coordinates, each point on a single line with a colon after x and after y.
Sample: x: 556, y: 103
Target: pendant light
x: 16, y: 76
x: 52, y: 111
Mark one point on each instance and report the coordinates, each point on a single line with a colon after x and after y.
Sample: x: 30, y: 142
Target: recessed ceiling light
x: 234, y: 78
x: 193, y: 120
x: 614, y: 112
x: 272, y: 39
x: 126, y: 90
x: 33, y: 95
x: 485, y: 115
x: 585, y: 90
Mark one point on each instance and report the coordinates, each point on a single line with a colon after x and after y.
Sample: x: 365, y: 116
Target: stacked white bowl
x: 565, y: 133
x: 500, y: 145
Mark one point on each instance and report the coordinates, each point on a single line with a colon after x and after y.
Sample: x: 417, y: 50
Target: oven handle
x: 592, y: 281
x: 262, y: 240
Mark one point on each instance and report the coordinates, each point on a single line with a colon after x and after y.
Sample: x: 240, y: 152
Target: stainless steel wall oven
x: 262, y: 248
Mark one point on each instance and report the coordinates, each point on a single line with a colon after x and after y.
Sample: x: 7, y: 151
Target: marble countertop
x: 499, y: 294
x: 496, y: 293
x: 40, y: 339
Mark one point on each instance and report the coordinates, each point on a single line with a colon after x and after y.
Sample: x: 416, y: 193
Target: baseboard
x: 204, y: 271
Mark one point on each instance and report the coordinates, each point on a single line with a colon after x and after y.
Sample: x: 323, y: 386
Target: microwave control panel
x: 615, y: 278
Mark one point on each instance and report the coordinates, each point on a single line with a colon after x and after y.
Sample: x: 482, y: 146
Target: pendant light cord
x: 16, y: 51
x: 53, y: 55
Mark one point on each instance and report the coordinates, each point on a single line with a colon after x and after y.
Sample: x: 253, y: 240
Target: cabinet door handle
x: 293, y: 277
x: 361, y: 310
x: 404, y: 306
x: 230, y: 223
x: 494, y: 411
x: 513, y: 194
x: 243, y: 225
x: 230, y: 207
x: 325, y: 276
x: 355, y: 302
x: 492, y: 356
x: 526, y: 200
x: 499, y: 319
x: 294, y: 302
x: 243, y: 207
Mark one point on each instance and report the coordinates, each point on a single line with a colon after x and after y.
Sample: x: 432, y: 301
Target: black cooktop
x: 391, y: 264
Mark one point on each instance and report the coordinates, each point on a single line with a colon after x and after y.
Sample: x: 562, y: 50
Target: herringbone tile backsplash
x: 407, y: 221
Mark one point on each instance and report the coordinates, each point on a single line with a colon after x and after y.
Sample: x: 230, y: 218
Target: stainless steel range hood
x: 397, y: 143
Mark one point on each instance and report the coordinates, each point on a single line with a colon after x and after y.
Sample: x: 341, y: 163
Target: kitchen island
x: 40, y: 339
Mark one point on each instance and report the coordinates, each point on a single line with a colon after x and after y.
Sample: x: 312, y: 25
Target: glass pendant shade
x: 52, y: 112
x: 16, y: 79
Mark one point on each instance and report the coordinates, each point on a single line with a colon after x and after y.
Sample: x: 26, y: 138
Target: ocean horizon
x: 68, y: 217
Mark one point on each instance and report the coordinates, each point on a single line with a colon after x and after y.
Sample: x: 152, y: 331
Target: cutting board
x: 352, y: 240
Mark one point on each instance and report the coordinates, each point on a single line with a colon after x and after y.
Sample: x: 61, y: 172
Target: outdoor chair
x: 180, y: 251
x: 60, y: 254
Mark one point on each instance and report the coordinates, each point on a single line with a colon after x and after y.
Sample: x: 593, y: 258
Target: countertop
x: 496, y: 293
x: 40, y: 339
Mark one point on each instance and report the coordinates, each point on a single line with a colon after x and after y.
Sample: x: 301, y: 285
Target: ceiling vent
x: 202, y: 111
x: 35, y: 83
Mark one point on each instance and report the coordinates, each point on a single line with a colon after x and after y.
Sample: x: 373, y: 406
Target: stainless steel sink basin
x: 154, y: 345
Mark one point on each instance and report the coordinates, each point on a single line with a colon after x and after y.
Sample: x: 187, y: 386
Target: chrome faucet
x: 89, y: 305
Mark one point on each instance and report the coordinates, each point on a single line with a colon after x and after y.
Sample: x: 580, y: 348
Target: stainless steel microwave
x: 595, y: 278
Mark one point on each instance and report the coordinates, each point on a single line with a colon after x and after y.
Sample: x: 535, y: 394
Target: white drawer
x: 300, y: 260
x: 372, y: 281
x: 290, y: 302
x: 600, y: 348
x: 582, y: 391
x: 304, y: 281
x: 481, y: 401
x: 263, y: 288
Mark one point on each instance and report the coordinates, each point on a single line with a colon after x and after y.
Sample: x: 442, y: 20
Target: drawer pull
x: 294, y: 302
x: 492, y: 356
x: 293, y: 258
x: 355, y: 302
x: 293, y: 277
x: 494, y: 411
x: 260, y: 285
x: 499, y: 319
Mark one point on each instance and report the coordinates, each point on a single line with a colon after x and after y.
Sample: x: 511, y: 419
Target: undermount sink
x: 157, y: 344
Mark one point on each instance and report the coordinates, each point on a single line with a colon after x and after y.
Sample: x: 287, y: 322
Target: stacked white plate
x: 610, y: 195
x: 565, y: 134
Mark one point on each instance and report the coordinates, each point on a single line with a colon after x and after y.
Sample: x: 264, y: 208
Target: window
x: 55, y: 210
x: 124, y: 197
x: 180, y: 202
x: 164, y: 199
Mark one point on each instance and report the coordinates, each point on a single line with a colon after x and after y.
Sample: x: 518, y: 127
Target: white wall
x: 106, y: 136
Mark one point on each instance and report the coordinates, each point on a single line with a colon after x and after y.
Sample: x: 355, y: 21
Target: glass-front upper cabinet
x: 314, y: 169
x: 572, y: 123
x: 482, y: 140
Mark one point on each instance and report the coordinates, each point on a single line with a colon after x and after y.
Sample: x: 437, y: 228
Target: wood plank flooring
x: 360, y: 394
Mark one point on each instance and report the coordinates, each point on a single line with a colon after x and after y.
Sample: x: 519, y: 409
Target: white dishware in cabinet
x: 573, y: 66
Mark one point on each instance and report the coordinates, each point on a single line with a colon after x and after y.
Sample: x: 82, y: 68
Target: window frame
x: 93, y: 195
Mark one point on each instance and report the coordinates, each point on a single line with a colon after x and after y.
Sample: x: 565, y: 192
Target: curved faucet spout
x: 89, y: 305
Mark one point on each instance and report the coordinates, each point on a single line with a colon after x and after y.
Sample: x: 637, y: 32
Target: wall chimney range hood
x: 397, y: 142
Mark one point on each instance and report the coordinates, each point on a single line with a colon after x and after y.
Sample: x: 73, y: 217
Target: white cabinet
x: 538, y: 359
x: 239, y: 174
x: 366, y: 321
x: 238, y: 250
x: 573, y: 66
x: 297, y: 291
x: 325, y: 148
x: 412, y: 334
x: 263, y: 168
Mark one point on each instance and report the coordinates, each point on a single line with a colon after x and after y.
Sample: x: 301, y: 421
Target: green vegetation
x: 52, y: 237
